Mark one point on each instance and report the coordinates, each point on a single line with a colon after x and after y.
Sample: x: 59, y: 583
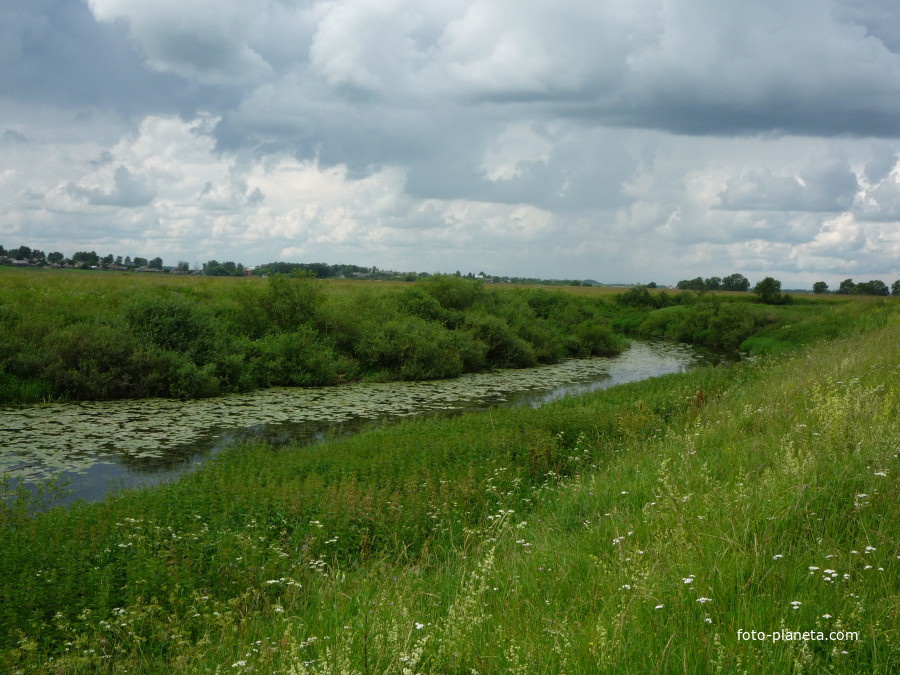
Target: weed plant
x: 642, y: 529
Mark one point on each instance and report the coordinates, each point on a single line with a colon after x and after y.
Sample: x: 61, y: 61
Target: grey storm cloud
x: 127, y: 190
x: 373, y: 128
x: 884, y: 159
x: 695, y: 67
x: 13, y: 137
x: 56, y: 52
x: 827, y: 186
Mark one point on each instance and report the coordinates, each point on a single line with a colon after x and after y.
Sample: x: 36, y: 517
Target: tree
x: 846, y: 288
x: 769, y: 292
x: 212, y: 268
x: 874, y: 287
x: 107, y: 260
x: 696, y: 284
x: 736, y: 282
x: 183, y: 266
x: 139, y: 262
x: 228, y: 268
x: 156, y: 263
x: 55, y: 257
x: 820, y: 287
x: 22, y: 253
x: 713, y: 283
x: 879, y: 287
x: 636, y: 296
x: 895, y: 287
x: 85, y: 258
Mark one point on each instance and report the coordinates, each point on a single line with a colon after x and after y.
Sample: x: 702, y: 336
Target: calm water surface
x: 100, y: 447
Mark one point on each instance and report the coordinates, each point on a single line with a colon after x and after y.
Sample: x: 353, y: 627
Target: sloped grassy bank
x: 633, y: 530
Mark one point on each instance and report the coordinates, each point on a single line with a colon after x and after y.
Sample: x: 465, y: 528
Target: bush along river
x: 97, y: 448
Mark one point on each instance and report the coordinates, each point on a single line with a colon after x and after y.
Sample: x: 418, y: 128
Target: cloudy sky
x: 619, y: 141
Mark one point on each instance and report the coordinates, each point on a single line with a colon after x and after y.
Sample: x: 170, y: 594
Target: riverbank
x: 102, y: 446
x: 637, y: 529
x: 69, y: 335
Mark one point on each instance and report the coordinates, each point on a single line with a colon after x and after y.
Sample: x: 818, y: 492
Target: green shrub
x: 471, y: 350
x: 733, y: 323
x: 417, y: 302
x: 290, y: 302
x: 677, y: 322
x: 504, y: 347
x: 173, y: 323
x: 299, y: 358
x: 93, y: 361
x: 543, y: 302
x: 598, y: 339
x: 636, y: 296
x: 247, y: 314
x: 453, y: 292
x: 547, y: 343
x: 710, y: 322
x: 188, y: 380
x: 412, y: 349
x: 345, y: 320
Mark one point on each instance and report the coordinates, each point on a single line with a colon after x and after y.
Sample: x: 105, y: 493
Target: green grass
x: 506, y: 541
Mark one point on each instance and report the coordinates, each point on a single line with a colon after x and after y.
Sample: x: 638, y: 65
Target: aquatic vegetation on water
x: 41, y: 441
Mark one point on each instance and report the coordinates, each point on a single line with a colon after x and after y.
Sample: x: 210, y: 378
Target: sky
x: 626, y: 142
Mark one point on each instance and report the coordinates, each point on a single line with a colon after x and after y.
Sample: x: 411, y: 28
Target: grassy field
x: 647, y: 529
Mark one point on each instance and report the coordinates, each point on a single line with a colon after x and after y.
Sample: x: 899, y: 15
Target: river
x: 99, y: 447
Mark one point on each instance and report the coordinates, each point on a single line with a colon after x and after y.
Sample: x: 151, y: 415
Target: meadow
x: 647, y: 528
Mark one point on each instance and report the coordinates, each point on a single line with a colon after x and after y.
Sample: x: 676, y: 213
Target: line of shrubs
x: 288, y: 331
x: 766, y: 322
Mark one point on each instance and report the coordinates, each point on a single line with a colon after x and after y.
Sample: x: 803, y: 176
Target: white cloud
x: 826, y: 184
x: 619, y: 141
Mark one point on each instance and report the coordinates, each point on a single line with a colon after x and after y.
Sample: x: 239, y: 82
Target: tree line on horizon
x: 740, y: 283
x: 90, y: 259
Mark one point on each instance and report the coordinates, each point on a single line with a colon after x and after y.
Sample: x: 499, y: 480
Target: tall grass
x: 633, y: 530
